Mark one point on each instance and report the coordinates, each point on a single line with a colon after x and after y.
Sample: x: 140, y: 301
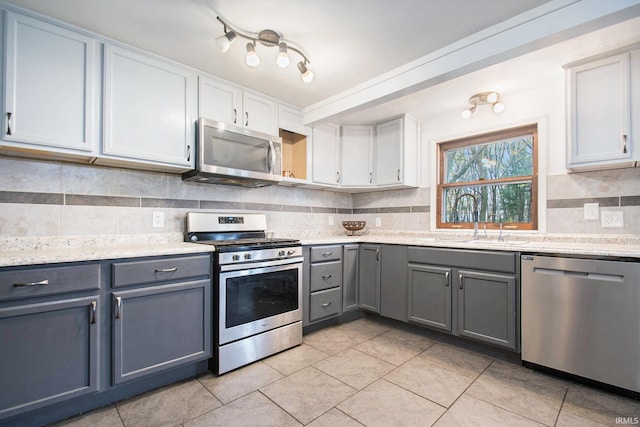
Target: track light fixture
x: 481, y: 99
x: 267, y: 38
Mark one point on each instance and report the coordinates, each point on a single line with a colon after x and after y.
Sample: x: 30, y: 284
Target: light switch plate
x: 330, y: 219
x: 612, y: 219
x: 378, y: 222
x: 591, y: 210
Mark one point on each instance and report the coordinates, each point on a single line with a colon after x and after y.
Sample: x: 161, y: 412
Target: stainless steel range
x: 257, y: 287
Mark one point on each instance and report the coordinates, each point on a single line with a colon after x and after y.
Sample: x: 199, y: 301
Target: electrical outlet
x: 378, y: 222
x: 330, y: 219
x: 157, y: 220
x: 591, y: 210
x: 612, y: 219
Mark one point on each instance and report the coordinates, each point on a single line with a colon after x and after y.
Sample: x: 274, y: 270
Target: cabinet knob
x: 118, y: 307
x: 9, y: 123
x: 40, y: 283
x: 327, y: 276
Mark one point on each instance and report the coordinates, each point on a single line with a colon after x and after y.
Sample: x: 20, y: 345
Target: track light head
x: 283, y: 57
x: 224, y: 41
x: 253, y: 60
x: 306, y: 74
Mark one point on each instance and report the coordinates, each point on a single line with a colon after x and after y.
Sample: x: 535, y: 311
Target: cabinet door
x: 487, y: 308
x: 260, y: 114
x: 350, y: 278
x: 291, y: 119
x: 49, y: 353
x: 429, y: 296
x: 219, y: 101
x: 599, y: 112
x: 326, y: 145
x: 356, y: 156
x: 369, y: 280
x: 149, y: 109
x: 389, y: 138
x: 393, y: 282
x: 50, y: 85
x: 160, y: 327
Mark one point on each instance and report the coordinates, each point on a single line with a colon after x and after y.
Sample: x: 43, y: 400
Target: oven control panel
x: 253, y: 255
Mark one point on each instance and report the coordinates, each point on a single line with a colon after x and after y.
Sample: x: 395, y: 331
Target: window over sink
x: 490, y: 178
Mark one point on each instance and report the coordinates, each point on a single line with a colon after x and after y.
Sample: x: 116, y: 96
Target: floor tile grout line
x: 564, y: 398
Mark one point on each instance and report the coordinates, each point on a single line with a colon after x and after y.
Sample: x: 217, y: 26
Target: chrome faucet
x: 500, y: 236
x: 476, y: 214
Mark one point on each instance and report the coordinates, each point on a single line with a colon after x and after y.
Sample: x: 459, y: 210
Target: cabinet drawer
x: 504, y: 262
x: 326, y: 253
x: 325, y: 275
x: 325, y: 303
x: 35, y: 282
x: 160, y: 269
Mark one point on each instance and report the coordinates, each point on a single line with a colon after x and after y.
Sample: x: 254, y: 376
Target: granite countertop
x: 614, y: 246
x: 34, y: 250
x: 18, y: 251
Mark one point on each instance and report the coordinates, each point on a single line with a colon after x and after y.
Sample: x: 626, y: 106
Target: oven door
x: 255, y: 298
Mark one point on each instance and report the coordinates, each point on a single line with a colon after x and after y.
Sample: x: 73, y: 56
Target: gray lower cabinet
x: 49, y: 335
x: 322, y: 286
x: 164, y: 323
x: 487, y: 307
x: 369, y: 280
x: 429, y: 296
x: 470, y: 293
x: 350, y: 277
x: 393, y: 282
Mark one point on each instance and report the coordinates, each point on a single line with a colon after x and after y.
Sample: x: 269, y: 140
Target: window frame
x: 481, y: 139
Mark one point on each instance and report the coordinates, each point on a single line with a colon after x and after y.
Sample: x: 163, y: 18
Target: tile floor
x: 369, y: 373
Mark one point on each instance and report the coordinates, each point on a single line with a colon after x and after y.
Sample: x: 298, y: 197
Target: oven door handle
x: 261, y: 264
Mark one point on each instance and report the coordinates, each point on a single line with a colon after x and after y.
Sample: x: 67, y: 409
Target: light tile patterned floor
x: 368, y: 373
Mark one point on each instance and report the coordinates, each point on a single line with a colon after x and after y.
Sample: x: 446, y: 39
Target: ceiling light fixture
x: 267, y: 38
x: 481, y: 99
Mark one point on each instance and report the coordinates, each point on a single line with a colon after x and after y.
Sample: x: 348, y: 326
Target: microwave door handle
x: 272, y: 157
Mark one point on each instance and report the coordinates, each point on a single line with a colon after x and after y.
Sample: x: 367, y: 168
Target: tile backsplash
x: 60, y: 199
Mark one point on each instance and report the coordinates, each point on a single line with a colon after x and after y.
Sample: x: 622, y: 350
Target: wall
x: 59, y: 199
x: 533, y: 89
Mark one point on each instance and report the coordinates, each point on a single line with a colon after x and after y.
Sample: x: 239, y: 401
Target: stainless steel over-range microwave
x: 227, y: 154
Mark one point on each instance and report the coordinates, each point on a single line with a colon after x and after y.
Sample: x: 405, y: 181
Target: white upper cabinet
x: 149, y: 109
x: 219, y: 101
x: 396, y: 152
x: 51, y: 81
x: 599, y: 113
x: 326, y: 154
x: 356, y: 156
x: 291, y: 119
x: 229, y: 104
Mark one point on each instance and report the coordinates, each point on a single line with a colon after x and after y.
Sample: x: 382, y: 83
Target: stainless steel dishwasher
x: 582, y: 316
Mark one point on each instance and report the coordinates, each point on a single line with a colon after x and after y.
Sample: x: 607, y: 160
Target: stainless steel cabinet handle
x: 446, y: 279
x: 326, y: 254
x: 246, y: 115
x: 94, y: 306
x: 377, y: 254
x: 624, y: 144
x: 461, y: 281
x: 326, y: 304
x: 40, y: 283
x: 291, y: 252
x: 235, y: 116
x: 327, y: 276
x: 118, y: 307
x: 166, y: 270
x: 338, y: 176
x: 9, y: 123
x: 188, y: 153
x: 398, y: 174
x: 370, y: 177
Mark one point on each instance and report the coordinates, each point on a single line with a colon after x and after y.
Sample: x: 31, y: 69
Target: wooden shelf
x: 294, y: 154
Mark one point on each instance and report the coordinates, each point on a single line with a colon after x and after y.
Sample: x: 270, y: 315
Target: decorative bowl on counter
x: 353, y: 226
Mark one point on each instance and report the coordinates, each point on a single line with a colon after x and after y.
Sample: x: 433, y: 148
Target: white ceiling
x: 348, y: 41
